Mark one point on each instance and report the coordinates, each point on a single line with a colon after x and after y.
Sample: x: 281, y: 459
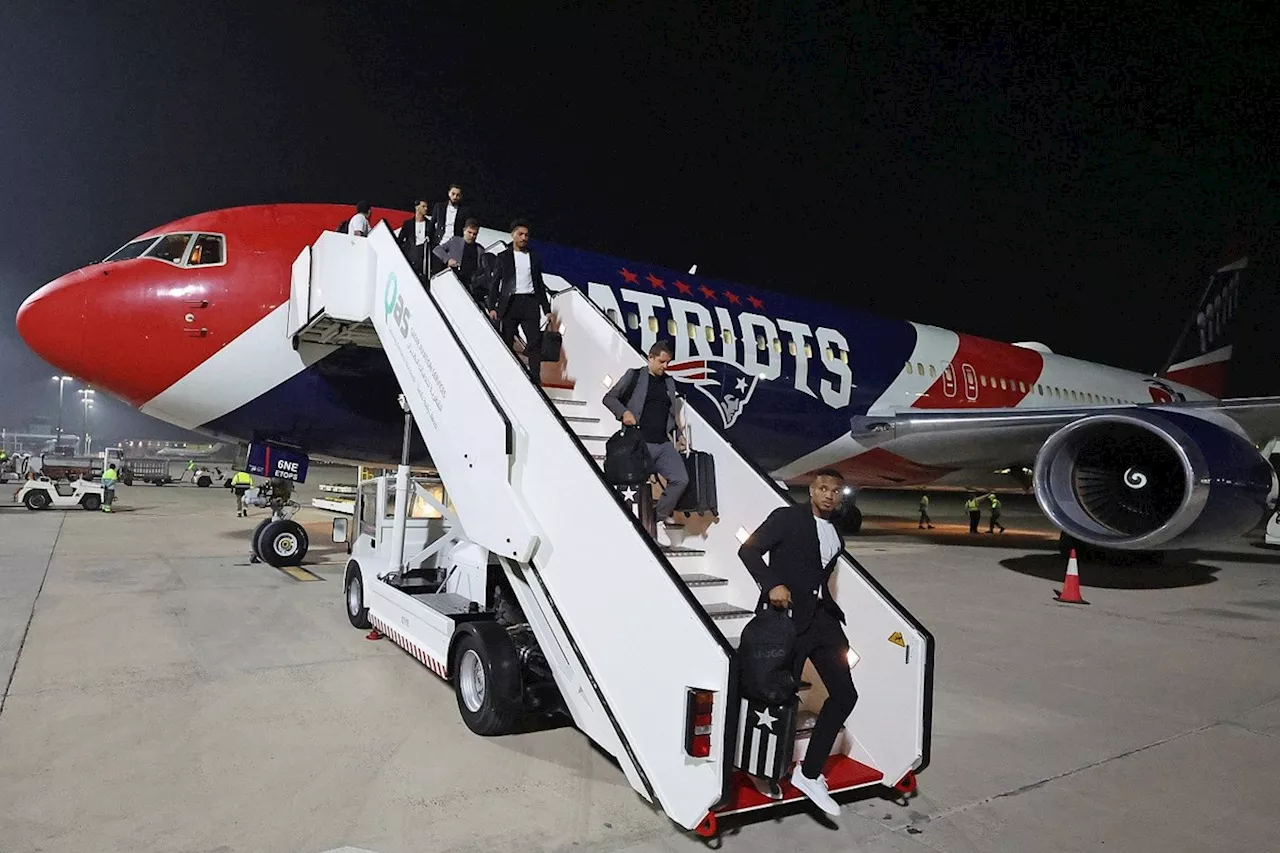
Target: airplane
x: 187, y: 323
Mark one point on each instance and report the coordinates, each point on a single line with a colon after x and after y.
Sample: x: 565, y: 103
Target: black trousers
x: 995, y: 521
x: 924, y: 517
x: 523, y: 312
x: 975, y: 516
x: 824, y: 643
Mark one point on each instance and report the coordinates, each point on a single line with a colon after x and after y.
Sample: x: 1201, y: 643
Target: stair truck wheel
x: 283, y: 543
x: 204, y: 481
x: 91, y: 502
x: 486, y: 678
x: 36, y: 500
x: 353, y: 592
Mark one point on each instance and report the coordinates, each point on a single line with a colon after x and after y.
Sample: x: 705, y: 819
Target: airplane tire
x: 486, y: 674
x: 257, y: 534
x: 353, y: 594
x: 36, y: 500
x: 204, y: 481
x: 91, y: 502
x: 283, y: 543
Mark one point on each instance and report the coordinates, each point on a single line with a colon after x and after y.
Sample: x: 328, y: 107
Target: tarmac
x: 164, y: 694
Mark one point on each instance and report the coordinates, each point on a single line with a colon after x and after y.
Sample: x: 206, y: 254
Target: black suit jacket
x: 438, y: 215
x: 407, y: 241
x: 502, y: 281
x: 790, y: 537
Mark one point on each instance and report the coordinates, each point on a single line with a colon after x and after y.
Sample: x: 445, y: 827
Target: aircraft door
x: 970, y: 383
x: 949, y: 381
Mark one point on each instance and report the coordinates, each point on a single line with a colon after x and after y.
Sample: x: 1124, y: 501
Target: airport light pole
x: 62, y: 382
x: 86, y: 397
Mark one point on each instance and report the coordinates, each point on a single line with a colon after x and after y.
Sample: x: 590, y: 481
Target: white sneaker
x: 815, y: 790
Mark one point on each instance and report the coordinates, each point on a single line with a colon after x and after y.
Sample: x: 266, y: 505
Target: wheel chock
x: 373, y: 635
x: 708, y: 828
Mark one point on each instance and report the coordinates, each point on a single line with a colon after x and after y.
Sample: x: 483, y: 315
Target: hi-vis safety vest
x: 241, y: 479
x: 109, y: 477
x: 924, y: 500
x: 995, y: 503
x: 971, y: 505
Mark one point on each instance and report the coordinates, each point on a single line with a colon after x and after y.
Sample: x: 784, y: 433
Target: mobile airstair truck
x: 523, y: 577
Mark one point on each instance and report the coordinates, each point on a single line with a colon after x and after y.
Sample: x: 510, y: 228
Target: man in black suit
x: 449, y: 216
x: 518, y: 298
x: 802, y: 545
x: 416, y: 238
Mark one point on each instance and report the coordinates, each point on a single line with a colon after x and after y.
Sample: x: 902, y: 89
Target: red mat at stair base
x: 843, y: 774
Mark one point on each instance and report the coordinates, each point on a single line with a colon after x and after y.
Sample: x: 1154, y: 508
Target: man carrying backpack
x: 647, y: 398
x: 802, y: 545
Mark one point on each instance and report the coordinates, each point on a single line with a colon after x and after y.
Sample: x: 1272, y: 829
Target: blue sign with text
x: 268, y: 460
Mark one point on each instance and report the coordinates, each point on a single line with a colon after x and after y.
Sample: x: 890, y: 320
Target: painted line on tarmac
x: 300, y: 574
x: 31, y: 617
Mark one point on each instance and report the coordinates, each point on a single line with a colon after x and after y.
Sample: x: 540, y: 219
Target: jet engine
x: 1152, y: 479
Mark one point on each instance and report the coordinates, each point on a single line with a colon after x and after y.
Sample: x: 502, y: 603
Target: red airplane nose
x: 54, y: 324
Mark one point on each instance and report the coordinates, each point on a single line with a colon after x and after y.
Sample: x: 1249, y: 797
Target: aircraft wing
x: 996, y: 438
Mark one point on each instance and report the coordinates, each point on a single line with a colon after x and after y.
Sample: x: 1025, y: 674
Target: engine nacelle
x: 1151, y: 479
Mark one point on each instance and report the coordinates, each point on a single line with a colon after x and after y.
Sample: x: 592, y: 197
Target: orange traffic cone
x: 1070, y: 593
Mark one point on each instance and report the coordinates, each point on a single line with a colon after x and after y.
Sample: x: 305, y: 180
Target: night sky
x: 1026, y: 174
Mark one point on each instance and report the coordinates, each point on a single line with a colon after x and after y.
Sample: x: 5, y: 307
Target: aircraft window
x: 673, y: 328
x: 761, y: 343
x: 932, y: 372
x: 791, y: 347
x: 613, y: 316
x: 910, y: 369
x: 692, y: 330
x: 808, y: 351
x: 844, y: 356
x: 170, y: 247
x: 728, y: 337
x: 653, y: 324
x: 1022, y: 386
x: 207, y: 251
x: 920, y: 368
x: 983, y: 379
x: 711, y: 335
x: 1074, y: 397
x: 1003, y: 387
x: 129, y: 251
x: 1040, y: 390
x: 777, y: 345
x: 1057, y: 392
x: 633, y: 322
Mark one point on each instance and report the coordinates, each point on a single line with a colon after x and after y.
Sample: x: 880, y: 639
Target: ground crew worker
x: 109, y: 477
x: 924, y: 511
x: 240, y: 485
x: 975, y: 514
x: 995, y: 514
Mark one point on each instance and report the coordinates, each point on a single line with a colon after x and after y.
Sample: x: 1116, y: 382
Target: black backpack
x: 765, y: 653
x: 626, y: 459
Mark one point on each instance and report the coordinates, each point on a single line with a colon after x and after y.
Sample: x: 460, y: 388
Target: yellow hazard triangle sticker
x: 896, y: 639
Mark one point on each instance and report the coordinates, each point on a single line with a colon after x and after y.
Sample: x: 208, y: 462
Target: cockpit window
x: 129, y: 251
x: 171, y: 248
x: 206, y: 251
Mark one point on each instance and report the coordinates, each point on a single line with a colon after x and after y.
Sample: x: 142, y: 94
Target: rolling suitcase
x: 700, y: 494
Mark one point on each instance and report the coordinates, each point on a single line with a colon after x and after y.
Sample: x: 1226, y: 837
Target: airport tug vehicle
x: 44, y: 493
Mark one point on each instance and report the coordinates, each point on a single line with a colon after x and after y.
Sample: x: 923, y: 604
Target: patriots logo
x: 1162, y: 393
x: 723, y: 382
